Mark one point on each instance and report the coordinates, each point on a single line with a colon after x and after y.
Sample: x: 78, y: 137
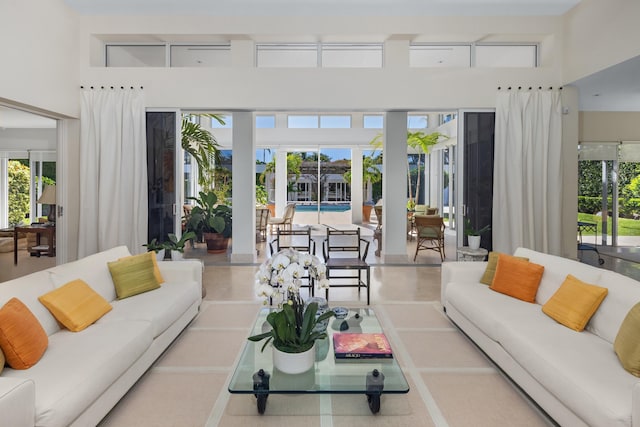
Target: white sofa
x: 82, y: 375
x: 575, y: 377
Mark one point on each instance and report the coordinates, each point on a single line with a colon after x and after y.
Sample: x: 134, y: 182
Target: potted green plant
x: 295, y: 326
x: 211, y: 220
x: 176, y: 246
x: 157, y: 247
x: 473, y: 234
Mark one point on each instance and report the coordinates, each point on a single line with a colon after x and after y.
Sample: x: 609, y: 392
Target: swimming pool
x: 324, y: 207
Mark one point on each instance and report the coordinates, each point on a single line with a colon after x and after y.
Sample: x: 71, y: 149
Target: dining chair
x: 285, y: 220
x: 346, y: 250
x: 262, y: 219
x: 297, y: 239
x: 429, y: 234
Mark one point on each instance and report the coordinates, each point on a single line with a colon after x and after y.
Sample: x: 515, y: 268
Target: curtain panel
x: 113, y: 171
x: 527, y: 171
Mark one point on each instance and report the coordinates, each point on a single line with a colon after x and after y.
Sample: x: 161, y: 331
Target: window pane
x: 439, y: 56
x: 302, y: 122
x: 373, y: 122
x: 417, y: 122
x: 301, y: 55
x: 506, y: 56
x: 228, y: 122
x: 135, y: 56
x: 201, y: 56
x: 352, y: 56
x: 335, y: 122
x: 263, y: 122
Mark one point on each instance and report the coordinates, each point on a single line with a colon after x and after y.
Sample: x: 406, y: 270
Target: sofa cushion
x: 580, y: 370
x: 627, y: 343
x: 624, y: 293
x: 75, y: 305
x: 517, y: 278
x: 555, y: 271
x: 135, y: 274
x: 79, y: 366
x: 92, y: 269
x: 492, y: 263
x: 161, y: 307
x: 22, y: 339
x: 574, y: 303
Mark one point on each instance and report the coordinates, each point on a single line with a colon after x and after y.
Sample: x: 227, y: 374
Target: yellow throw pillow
x: 135, y: 274
x: 517, y: 278
x: 22, y: 338
x: 627, y: 342
x: 75, y: 305
x: 574, y: 303
x: 490, y: 271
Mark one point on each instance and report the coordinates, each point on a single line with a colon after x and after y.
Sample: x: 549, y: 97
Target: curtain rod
x: 530, y: 88
x: 112, y: 87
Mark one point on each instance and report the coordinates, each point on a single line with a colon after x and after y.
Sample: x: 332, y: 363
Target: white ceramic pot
x: 176, y: 255
x: 160, y: 255
x: 474, y: 242
x: 294, y: 363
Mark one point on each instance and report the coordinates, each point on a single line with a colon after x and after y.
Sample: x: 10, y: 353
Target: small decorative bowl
x: 341, y: 312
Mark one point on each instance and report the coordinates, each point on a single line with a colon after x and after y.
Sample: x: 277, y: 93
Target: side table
x: 465, y: 253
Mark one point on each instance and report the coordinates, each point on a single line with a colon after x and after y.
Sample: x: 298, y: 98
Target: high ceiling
x: 324, y: 7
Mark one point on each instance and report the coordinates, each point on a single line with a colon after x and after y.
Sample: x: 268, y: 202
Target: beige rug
x: 452, y: 383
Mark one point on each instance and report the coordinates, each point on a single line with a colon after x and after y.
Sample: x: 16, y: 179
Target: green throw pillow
x: 627, y: 342
x: 134, y: 275
x: 490, y: 271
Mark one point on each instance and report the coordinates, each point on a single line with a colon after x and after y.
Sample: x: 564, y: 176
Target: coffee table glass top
x: 328, y: 374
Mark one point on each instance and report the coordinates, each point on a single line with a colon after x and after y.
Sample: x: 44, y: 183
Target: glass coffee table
x: 256, y: 375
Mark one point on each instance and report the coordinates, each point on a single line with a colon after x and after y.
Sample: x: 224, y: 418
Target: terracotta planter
x: 272, y: 209
x: 216, y: 243
x: 366, y: 212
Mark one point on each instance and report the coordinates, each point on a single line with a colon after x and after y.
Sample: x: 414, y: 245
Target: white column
x: 394, y: 187
x: 281, y: 180
x: 356, y: 185
x: 243, y: 53
x: 243, y: 188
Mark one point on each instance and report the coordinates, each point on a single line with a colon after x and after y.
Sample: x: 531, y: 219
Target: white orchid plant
x: 282, y: 274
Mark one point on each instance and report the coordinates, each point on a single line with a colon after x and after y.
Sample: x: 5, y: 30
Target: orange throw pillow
x: 574, y: 303
x: 22, y: 339
x: 517, y: 278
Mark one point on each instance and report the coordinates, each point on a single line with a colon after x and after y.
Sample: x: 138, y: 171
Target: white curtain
x: 113, y: 171
x: 527, y: 190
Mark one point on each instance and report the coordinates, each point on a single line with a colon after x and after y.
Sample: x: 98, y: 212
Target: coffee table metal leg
x: 375, y: 384
x: 261, y: 383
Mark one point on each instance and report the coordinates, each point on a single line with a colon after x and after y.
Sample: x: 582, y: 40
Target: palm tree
x: 204, y: 148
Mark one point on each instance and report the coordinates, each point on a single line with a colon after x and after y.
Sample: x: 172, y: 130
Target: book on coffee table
x: 361, y: 346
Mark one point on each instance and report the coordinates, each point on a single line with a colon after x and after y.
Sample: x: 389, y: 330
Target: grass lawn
x: 626, y: 227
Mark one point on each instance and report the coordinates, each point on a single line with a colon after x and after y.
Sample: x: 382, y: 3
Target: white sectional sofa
x: 82, y: 375
x: 575, y: 377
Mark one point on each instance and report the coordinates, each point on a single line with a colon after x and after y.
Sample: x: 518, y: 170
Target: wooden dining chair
x: 430, y: 234
x: 345, y: 250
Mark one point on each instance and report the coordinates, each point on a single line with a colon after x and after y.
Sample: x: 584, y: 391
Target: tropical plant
x: 208, y: 216
x: 155, y: 246
x: 469, y: 230
x: 261, y: 195
x: 175, y: 244
x: 371, y: 173
x: 204, y: 148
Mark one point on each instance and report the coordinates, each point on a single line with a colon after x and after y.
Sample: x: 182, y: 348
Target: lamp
x: 48, y: 197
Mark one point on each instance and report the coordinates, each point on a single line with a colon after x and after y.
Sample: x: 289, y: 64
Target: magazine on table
x: 361, y: 346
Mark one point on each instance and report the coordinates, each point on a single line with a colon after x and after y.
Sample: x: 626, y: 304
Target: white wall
x: 28, y: 139
x: 39, y: 51
x: 599, y: 34
x: 609, y: 126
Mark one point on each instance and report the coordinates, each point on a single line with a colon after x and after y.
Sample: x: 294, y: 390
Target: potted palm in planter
x: 212, y: 221
x: 176, y: 246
